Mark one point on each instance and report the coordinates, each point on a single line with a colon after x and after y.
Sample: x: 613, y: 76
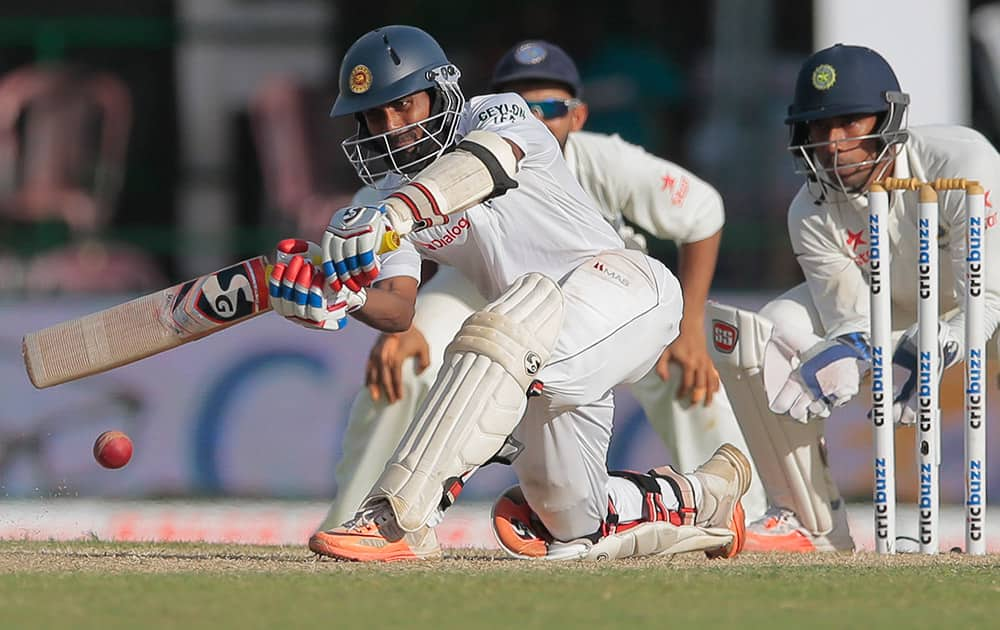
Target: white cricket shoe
x: 724, y: 478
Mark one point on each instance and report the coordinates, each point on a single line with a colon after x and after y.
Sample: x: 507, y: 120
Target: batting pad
x: 789, y: 454
x: 477, y: 400
x: 660, y: 538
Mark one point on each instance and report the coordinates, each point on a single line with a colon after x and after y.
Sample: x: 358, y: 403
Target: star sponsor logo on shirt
x: 855, y: 240
x: 502, y: 113
x: 678, y: 191
x: 444, y: 235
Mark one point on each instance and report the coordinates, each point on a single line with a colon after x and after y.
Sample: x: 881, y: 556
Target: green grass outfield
x: 189, y: 586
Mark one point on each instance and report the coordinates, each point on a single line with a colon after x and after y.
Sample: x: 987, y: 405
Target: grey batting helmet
x: 382, y: 66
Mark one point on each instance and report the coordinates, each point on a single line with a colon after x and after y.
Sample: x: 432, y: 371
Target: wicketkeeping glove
x: 828, y: 375
x: 905, y: 356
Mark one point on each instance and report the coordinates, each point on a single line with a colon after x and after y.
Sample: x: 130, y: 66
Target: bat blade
x: 147, y: 325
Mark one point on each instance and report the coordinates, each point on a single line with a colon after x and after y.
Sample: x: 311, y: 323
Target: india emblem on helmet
x: 824, y: 76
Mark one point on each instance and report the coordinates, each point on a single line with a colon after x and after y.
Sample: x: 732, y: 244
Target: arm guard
x: 481, y: 167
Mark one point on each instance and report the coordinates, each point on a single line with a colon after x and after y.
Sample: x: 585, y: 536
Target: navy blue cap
x: 537, y: 60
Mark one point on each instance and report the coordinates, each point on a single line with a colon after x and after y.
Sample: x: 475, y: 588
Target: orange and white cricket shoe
x: 373, y: 536
x: 517, y: 528
x: 780, y: 531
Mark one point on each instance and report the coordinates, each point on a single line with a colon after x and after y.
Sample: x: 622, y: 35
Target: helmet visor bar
x: 807, y: 165
x: 374, y: 157
x: 410, y: 148
x: 890, y: 137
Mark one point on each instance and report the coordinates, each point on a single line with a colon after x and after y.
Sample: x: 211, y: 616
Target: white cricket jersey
x: 659, y: 196
x: 547, y: 224
x: 830, y: 238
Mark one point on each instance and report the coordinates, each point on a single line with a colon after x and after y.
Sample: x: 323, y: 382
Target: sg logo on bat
x: 222, y: 297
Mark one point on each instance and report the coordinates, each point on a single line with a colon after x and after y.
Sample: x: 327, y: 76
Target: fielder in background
x: 680, y: 396
x: 805, y: 353
x: 527, y: 380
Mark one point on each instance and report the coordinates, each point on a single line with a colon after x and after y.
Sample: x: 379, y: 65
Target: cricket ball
x: 112, y: 449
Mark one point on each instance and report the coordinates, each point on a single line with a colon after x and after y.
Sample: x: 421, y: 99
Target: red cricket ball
x: 112, y: 449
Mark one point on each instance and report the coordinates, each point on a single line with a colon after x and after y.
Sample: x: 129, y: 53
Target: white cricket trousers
x: 622, y: 309
x: 691, y: 433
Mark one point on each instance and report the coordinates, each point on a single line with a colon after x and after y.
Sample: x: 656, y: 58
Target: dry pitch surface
x: 112, y: 585
x: 111, y: 558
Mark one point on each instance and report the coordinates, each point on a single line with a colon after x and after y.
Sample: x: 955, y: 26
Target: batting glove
x: 301, y: 293
x: 351, y: 245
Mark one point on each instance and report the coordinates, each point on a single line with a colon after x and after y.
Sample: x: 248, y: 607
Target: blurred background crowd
x: 147, y: 141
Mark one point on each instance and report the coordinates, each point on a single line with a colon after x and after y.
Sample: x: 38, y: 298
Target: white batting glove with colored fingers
x: 301, y: 293
x: 351, y: 246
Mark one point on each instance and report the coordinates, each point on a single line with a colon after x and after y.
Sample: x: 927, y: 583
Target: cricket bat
x: 153, y: 323
x: 147, y: 325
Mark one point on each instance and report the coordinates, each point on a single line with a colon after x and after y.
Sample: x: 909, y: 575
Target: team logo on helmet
x: 824, y: 76
x: 531, y: 53
x: 361, y: 79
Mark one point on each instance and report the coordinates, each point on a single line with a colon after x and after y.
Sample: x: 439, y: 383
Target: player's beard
x: 425, y: 139
x: 409, y: 149
x: 406, y: 150
x: 393, y: 152
x: 412, y: 148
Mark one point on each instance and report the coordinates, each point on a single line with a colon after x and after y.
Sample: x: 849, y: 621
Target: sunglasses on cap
x: 552, y: 107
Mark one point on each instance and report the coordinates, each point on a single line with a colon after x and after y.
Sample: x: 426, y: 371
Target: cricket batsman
x: 482, y: 186
x: 678, y: 396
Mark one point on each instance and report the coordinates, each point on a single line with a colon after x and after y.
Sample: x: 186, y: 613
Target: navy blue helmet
x: 382, y: 66
x: 844, y: 81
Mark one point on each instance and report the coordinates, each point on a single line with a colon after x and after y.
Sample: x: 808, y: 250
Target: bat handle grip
x: 390, y: 242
